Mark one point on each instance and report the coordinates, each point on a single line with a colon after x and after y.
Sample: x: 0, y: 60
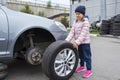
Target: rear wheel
x: 60, y: 60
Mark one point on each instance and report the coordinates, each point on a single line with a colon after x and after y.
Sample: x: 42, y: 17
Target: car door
x: 3, y: 32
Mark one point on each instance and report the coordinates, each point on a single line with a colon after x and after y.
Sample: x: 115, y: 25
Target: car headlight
x: 60, y: 25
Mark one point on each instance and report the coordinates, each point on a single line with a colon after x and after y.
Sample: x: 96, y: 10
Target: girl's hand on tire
x: 75, y: 45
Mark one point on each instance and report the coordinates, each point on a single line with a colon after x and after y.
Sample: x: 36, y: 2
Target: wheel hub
x: 64, y: 62
x: 36, y: 56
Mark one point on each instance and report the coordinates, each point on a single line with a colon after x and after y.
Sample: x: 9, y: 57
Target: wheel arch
x: 27, y: 30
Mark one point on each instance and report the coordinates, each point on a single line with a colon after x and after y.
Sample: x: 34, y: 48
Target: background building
x: 96, y: 9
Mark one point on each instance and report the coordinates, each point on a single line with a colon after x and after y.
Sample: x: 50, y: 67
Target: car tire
x: 116, y: 32
x: 33, y: 56
x: 105, y: 26
x: 60, y: 54
x: 3, y: 75
x: 3, y: 67
x: 116, y: 26
x: 117, y: 19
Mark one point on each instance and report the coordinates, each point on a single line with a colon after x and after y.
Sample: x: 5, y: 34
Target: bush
x: 27, y: 9
x: 65, y: 21
x: 41, y: 13
x: 49, y: 4
x: 95, y: 30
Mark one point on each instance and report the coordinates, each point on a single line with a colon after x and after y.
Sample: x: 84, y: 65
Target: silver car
x: 22, y: 33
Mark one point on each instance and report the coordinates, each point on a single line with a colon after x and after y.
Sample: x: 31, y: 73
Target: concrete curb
x: 109, y: 36
x: 93, y: 34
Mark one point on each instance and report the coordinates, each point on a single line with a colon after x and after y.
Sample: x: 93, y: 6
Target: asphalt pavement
x: 105, y: 63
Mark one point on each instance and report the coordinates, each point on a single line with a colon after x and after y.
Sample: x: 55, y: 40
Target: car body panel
x: 15, y: 23
x: 3, y: 33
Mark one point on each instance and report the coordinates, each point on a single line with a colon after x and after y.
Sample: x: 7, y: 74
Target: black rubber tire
x: 112, y: 20
x: 118, y: 15
x: 28, y: 55
x: 3, y: 75
x: 3, y: 67
x: 103, y: 27
x: 111, y: 32
x: 49, y: 58
x: 117, y: 19
x: 116, y: 32
x: 116, y: 26
x: 106, y: 21
x: 104, y: 32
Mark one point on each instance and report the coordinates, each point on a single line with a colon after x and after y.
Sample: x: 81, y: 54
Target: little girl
x: 81, y: 35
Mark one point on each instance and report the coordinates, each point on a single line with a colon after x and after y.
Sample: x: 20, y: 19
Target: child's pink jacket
x: 80, y: 32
